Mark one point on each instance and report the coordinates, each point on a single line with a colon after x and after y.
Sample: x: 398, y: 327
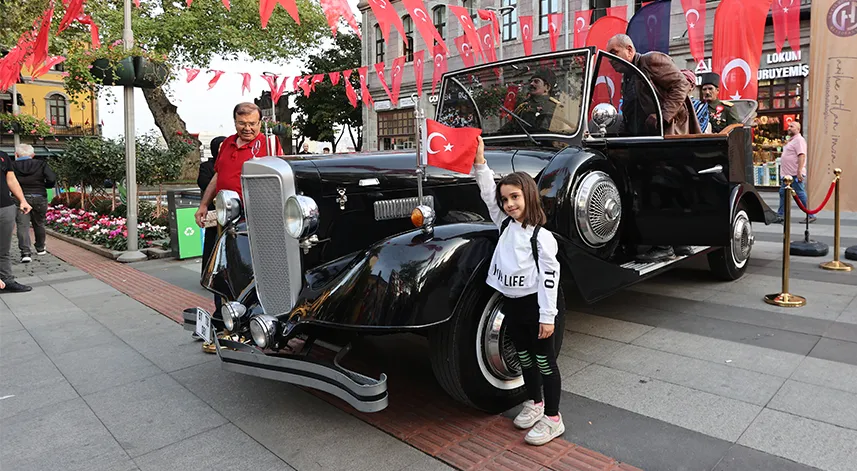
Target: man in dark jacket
x: 35, y: 177
x: 206, y: 172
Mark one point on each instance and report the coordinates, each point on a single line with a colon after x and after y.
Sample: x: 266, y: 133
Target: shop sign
x: 383, y: 105
x: 433, y: 99
x: 782, y: 57
x: 799, y: 70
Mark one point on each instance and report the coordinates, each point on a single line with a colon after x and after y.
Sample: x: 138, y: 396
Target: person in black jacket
x: 35, y: 177
x: 206, y: 173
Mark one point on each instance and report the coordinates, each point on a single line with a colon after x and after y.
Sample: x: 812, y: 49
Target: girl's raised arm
x: 487, y: 186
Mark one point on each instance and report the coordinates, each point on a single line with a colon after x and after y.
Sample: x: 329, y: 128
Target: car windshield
x: 539, y: 96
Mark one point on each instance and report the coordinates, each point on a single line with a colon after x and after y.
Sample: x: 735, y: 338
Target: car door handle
x: 715, y: 169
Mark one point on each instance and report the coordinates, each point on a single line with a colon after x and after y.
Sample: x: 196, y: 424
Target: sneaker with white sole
x: 529, y: 415
x: 545, y: 431
x: 41, y: 252
x: 26, y: 259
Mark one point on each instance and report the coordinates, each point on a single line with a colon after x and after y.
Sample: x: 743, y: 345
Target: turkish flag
x: 527, y: 33
x: 266, y: 8
x: 245, y: 83
x: 364, y: 89
x: 303, y: 84
x: 336, y: 9
x: 694, y: 15
x: 379, y: 69
x: 47, y: 66
x: 282, y: 87
x: 386, y: 15
x: 316, y: 79
x: 419, y: 62
x: 608, y: 86
x: 649, y: 28
x: 488, y: 15
x: 739, y: 30
x: 786, y: 23
x: 349, y: 90
x: 488, y: 46
x: 417, y: 9
x: 40, y: 48
x: 467, y: 27
x: 788, y: 119
x: 439, y: 65
x: 465, y: 50
x: 554, y: 28
x: 334, y: 78
x: 451, y: 148
x: 581, y: 27
x: 510, y: 100
x: 215, y: 79
x: 605, y: 28
x: 397, y: 71
x: 93, y: 29
x: 72, y: 11
x: 618, y: 12
x: 272, y: 84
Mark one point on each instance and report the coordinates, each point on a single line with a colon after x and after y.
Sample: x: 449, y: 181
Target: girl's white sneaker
x: 529, y: 415
x: 545, y: 431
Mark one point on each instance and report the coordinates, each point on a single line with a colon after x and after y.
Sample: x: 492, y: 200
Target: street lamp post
x: 14, y: 92
x: 500, y: 12
x: 132, y: 252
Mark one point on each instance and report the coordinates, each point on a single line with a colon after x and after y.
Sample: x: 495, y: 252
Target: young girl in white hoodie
x: 524, y: 268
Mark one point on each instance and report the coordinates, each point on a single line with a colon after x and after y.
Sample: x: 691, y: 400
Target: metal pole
x: 419, y: 128
x: 567, y: 12
x: 131, y: 254
x: 784, y: 298
x: 836, y: 264
x: 14, y: 92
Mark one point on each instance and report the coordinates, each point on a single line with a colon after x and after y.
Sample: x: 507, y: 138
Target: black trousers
x: 207, y: 249
x: 537, y: 356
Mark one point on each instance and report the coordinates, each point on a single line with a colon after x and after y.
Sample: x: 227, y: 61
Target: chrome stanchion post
x: 835, y: 264
x: 784, y: 298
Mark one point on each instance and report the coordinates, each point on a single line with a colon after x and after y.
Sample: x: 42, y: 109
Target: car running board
x: 361, y: 392
x: 643, y: 268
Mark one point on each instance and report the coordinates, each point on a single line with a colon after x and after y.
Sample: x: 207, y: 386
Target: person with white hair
x: 35, y: 177
x: 9, y: 187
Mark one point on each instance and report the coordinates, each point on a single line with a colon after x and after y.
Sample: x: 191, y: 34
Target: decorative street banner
x: 832, y: 113
x: 649, y: 28
x: 489, y: 49
x: 786, y: 16
x: 581, y: 27
x: 554, y: 28
x: 694, y: 15
x: 419, y: 61
x: 526, y: 23
x: 739, y: 30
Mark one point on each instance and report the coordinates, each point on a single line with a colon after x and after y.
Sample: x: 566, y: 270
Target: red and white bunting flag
x: 40, y: 48
x: 316, y: 79
x: 465, y: 50
x: 349, y: 90
x: 47, y: 66
x: 488, y: 15
x: 397, y: 71
x: 787, y: 23
x: 618, y: 12
x: 429, y: 33
x: 296, y: 82
x: 379, y: 70
x: 334, y: 78
x: 451, y: 148
x: 489, y: 48
x: 291, y: 8
x: 227, y: 5
x: 336, y: 9
x: 527, y: 33
x: 694, y: 16
x: 581, y: 27
x: 72, y: 11
x: 364, y: 89
x: 467, y: 26
x: 304, y: 84
x: 215, y: 79
x: 93, y: 29
x: 191, y: 74
x: 266, y: 8
x: 272, y: 84
x: 419, y: 63
x: 554, y: 28
x: 245, y: 83
x: 739, y: 32
x: 386, y: 15
x: 439, y: 65
x: 282, y: 88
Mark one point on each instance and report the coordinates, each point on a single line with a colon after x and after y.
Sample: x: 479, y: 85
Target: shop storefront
x: 782, y: 82
x: 395, y: 128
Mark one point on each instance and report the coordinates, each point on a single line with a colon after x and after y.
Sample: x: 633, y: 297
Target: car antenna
x: 422, y: 156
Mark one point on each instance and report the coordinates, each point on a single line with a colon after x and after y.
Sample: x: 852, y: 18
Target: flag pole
x: 419, y: 131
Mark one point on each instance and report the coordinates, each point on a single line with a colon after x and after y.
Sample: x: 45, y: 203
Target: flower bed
x: 106, y: 231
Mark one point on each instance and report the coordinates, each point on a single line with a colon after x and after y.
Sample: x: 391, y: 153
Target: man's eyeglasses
x: 241, y: 124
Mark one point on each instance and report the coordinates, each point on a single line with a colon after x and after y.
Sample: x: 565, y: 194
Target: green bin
x: 186, y: 237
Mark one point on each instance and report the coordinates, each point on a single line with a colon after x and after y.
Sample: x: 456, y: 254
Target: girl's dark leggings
x: 537, y: 356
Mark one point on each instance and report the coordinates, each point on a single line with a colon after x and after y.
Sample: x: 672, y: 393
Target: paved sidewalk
x: 92, y: 379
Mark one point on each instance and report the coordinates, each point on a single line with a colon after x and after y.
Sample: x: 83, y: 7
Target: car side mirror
x: 604, y: 115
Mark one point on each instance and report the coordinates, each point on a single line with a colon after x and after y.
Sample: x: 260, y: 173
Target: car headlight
x: 301, y: 216
x: 228, y: 206
x: 262, y: 330
x: 232, y: 312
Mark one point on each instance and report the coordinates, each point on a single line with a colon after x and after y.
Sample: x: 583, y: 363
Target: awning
x: 41, y: 151
x: 8, y: 96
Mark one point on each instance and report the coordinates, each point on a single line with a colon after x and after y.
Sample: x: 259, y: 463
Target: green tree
x: 157, y: 164
x: 88, y: 162
x: 328, y: 105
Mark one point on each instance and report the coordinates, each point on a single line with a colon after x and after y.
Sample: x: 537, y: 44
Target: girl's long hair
x: 534, y: 214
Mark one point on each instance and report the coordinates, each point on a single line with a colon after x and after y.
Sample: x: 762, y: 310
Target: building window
x: 469, y: 5
x: 780, y: 94
x: 546, y: 7
x: 379, y: 45
x: 396, y: 130
x: 57, y: 110
x: 510, y: 21
x: 599, y: 9
x: 408, y: 40
x: 439, y: 17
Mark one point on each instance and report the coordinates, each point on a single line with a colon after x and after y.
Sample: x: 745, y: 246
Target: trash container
x: 186, y: 238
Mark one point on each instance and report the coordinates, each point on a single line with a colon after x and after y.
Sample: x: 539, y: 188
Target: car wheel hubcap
x: 742, y: 239
x: 496, y: 354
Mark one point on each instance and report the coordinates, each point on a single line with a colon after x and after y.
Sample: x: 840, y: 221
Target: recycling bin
x: 186, y: 238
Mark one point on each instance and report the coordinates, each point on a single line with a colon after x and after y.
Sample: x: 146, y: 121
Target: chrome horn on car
x: 604, y: 115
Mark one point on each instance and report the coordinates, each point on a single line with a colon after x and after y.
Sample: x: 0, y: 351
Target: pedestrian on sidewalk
x: 530, y: 287
x: 35, y: 177
x: 9, y: 187
x: 793, y: 164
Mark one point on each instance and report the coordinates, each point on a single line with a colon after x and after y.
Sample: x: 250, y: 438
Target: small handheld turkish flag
x: 451, y: 148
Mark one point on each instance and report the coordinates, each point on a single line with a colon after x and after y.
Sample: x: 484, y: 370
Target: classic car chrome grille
x: 399, y: 208
x: 267, y: 184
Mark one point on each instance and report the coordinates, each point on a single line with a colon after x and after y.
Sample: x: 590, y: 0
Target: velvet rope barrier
x: 823, y: 204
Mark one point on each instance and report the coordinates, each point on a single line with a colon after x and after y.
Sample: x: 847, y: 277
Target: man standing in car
x: 721, y: 112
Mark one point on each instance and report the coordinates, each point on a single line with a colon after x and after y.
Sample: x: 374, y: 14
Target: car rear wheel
x: 473, y: 357
x: 730, y: 263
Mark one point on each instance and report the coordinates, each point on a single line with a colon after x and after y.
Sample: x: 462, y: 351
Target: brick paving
x: 420, y: 413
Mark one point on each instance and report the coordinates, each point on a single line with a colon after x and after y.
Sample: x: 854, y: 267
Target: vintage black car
x: 329, y: 248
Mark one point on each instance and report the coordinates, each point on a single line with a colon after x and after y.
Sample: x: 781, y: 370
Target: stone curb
x: 151, y: 252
